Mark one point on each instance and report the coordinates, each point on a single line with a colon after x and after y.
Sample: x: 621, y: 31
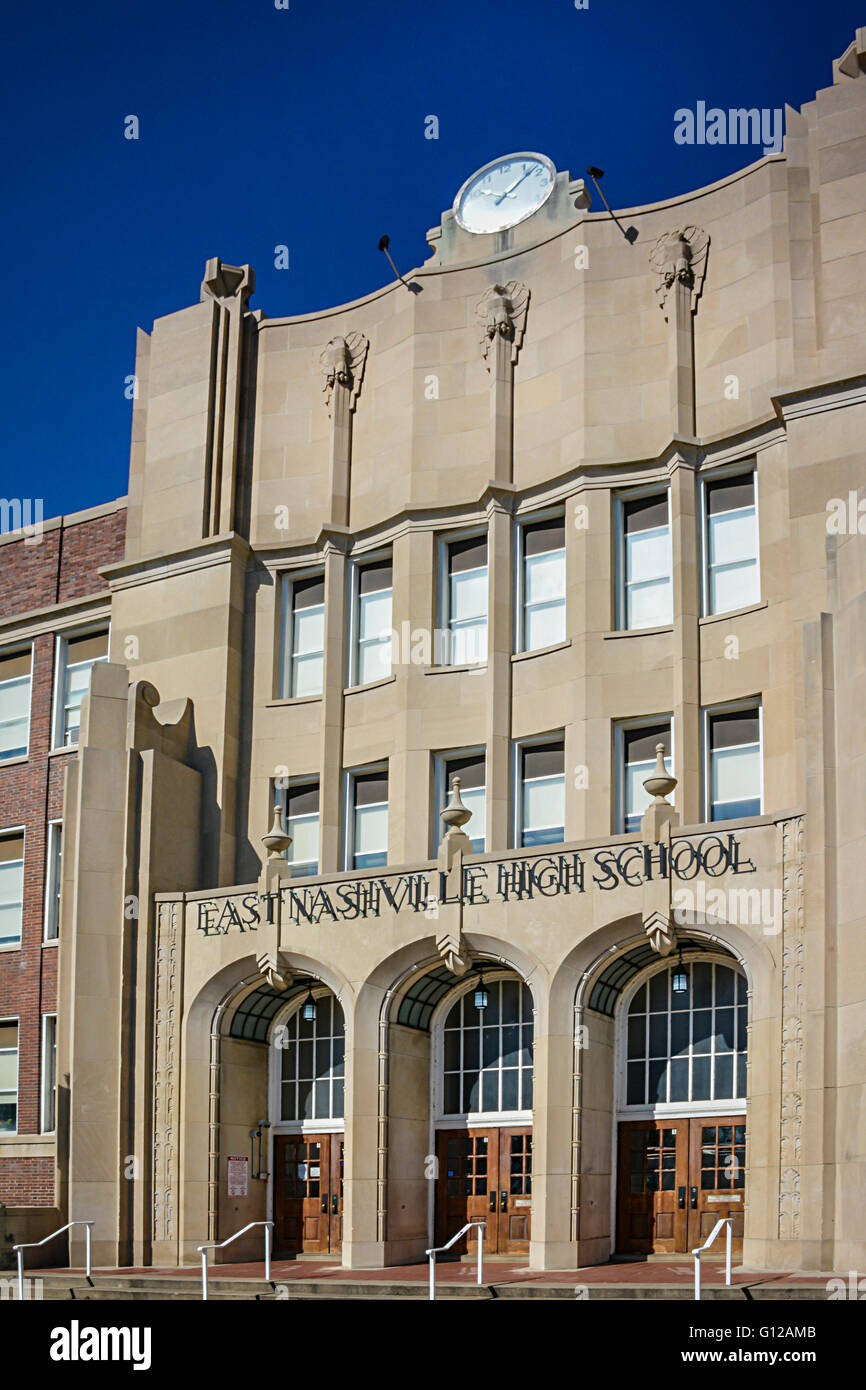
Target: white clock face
x: 504, y: 192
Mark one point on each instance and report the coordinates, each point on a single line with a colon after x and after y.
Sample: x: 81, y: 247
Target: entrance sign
x: 547, y: 876
x: 238, y: 1175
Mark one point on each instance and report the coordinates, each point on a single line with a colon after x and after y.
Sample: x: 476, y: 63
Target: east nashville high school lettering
x: 516, y: 880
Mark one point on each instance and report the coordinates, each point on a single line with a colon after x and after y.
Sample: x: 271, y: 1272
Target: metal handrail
x: 32, y: 1244
x: 436, y: 1249
x: 722, y: 1221
x: 218, y: 1245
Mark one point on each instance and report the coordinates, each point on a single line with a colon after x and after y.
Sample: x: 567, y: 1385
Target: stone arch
x: 575, y: 1007
x: 221, y: 1089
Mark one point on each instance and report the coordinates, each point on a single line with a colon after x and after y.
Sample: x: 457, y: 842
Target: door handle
x: 503, y: 1201
x: 492, y: 1201
x: 334, y: 1203
x: 681, y: 1198
x: 325, y: 1203
x: 694, y: 1192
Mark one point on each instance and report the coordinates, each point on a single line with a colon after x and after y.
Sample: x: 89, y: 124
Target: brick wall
x: 62, y: 566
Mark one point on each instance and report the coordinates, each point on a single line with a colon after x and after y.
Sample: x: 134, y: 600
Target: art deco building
x: 582, y: 487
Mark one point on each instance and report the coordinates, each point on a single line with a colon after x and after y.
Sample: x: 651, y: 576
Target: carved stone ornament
x: 501, y: 311
x: 342, y: 363
x: 680, y: 257
x: 660, y: 931
x: 452, y: 948
x: 272, y: 969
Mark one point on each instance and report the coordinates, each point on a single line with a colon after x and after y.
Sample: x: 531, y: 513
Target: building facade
x: 562, y: 537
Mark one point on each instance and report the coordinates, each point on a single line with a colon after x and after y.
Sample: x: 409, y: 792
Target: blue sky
x: 305, y: 127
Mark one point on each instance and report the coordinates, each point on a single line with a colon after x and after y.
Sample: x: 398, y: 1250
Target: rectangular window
x: 49, y: 1072
x: 301, y: 811
x: 303, y: 636
x: 645, y: 598
x: 731, y: 543
x: 76, y: 656
x: 636, y: 760
x: 734, y: 779
x: 367, y: 846
x: 52, y: 880
x: 373, y: 595
x: 8, y: 1076
x: 542, y: 546
x: 470, y: 768
x: 465, y: 601
x: 541, y: 793
x: 15, y: 704
x: 11, y: 887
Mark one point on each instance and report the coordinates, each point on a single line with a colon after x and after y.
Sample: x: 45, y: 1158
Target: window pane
x: 468, y: 595
x: 736, y: 774
x: 544, y: 577
x: 304, y: 831
x: 544, y: 625
x: 733, y: 586
x: 371, y: 829
x: 308, y: 630
x: 731, y: 536
x: 469, y: 642
x: 14, y: 716
x: 374, y: 660
x: 647, y: 555
x: 649, y: 604
x: 307, y: 675
x: 544, y: 803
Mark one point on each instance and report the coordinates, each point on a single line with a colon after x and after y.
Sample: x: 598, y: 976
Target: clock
x: 506, y: 191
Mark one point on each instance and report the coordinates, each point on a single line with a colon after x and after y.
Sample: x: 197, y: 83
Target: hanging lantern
x: 680, y: 977
x: 480, y: 996
x: 309, y: 1009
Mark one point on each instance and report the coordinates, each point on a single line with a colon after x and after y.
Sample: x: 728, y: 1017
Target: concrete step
x: 60, y: 1287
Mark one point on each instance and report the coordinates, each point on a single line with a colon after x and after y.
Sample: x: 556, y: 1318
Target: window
x: 300, y: 801
x: 372, y: 619
x: 11, y: 887
x: 49, y: 1072
x: 52, y: 880
x: 367, y: 839
x: 645, y: 597
x: 464, y: 601
x: 303, y: 636
x: 8, y: 1076
x: 542, y: 577
x: 76, y: 655
x: 487, y: 1053
x: 730, y: 543
x: 734, y: 781
x: 636, y: 760
x: 470, y: 768
x: 14, y: 704
x: 313, y: 1067
x: 541, y: 793
x: 689, y: 1046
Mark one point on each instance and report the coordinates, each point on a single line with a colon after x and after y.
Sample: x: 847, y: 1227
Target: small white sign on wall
x: 238, y: 1175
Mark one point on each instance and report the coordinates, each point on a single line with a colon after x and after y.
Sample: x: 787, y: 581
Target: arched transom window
x: 487, y: 1053
x: 312, y: 1067
x: 689, y: 1044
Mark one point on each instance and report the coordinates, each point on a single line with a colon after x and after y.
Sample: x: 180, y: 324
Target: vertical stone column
x: 229, y: 287
x: 331, y: 745
x: 500, y: 626
x: 686, y: 638
x: 501, y: 312
x: 587, y: 741
x: 342, y: 363
x: 365, y: 1134
x: 410, y: 835
x: 679, y: 261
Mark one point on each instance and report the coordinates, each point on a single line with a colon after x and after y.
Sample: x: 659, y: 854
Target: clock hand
x: 508, y: 192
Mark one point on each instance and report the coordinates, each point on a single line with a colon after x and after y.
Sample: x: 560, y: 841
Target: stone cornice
x: 55, y: 617
x: 214, y: 550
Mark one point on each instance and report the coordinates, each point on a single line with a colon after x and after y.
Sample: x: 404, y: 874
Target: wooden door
x: 308, y: 1202
x: 675, y: 1179
x: 717, y: 1179
x: 485, y: 1175
x: 651, y: 1186
x: 468, y: 1171
x: 514, y: 1203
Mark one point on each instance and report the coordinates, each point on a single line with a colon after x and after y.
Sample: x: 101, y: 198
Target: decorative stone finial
x: 455, y: 814
x: 277, y: 841
x: 659, y: 815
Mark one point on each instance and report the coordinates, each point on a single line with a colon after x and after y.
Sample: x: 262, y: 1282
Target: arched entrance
x: 680, y: 1076
x: 304, y: 1030
x: 481, y: 1103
